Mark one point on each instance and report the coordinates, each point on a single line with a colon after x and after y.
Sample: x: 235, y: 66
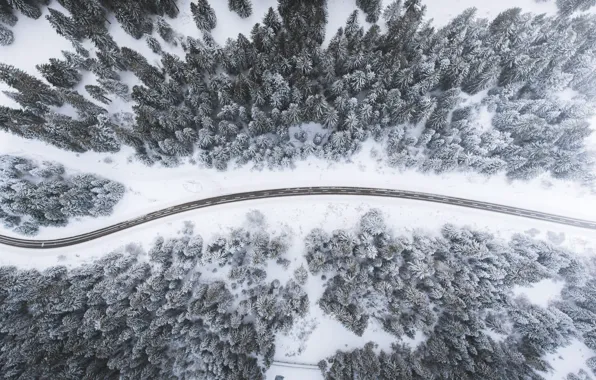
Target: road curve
x: 292, y: 192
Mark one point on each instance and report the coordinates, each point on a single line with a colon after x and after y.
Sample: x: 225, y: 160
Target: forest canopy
x: 189, y: 307
x: 422, y: 92
x: 36, y: 194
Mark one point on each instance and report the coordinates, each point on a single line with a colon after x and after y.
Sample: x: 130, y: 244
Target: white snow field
x: 153, y: 188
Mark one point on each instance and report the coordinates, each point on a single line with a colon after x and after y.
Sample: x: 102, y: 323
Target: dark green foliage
x: 33, y: 90
x: 29, y: 8
x: 60, y: 73
x: 148, y: 315
x: 455, y: 290
x: 165, y: 30
x: 136, y: 63
x: 115, y: 87
x: 242, y: 7
x: 6, y: 14
x: 64, y: 25
x: 304, y: 21
x: 203, y: 15
x: 6, y: 36
x: 371, y: 8
x: 131, y: 16
x: 33, y: 195
x: 98, y: 93
x: 153, y: 44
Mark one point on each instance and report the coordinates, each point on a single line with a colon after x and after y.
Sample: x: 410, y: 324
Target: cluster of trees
x: 42, y: 194
x: 457, y: 291
x: 88, y: 18
x: 567, y: 7
x: 185, y: 309
x: 407, y: 85
x: 159, y: 314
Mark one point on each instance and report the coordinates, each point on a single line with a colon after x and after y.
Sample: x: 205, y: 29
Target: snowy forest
x: 415, y: 89
x: 194, y: 308
x: 42, y: 194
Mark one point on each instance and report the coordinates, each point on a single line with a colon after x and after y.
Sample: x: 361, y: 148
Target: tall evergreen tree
x: 28, y: 8
x: 6, y: 36
x: 242, y: 7
x: 98, y: 93
x: 305, y: 21
x: 6, y: 14
x: 60, y: 73
x: 371, y: 8
x: 32, y: 89
x: 64, y: 25
x: 203, y: 15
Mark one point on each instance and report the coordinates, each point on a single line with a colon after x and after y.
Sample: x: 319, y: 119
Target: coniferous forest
x: 34, y: 195
x: 189, y: 308
x: 511, y: 95
x: 416, y: 89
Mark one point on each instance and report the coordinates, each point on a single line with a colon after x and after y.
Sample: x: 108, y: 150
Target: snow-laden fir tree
x: 60, y: 73
x: 204, y: 15
x: 6, y: 36
x: 242, y: 7
x: 567, y: 7
x: 44, y: 194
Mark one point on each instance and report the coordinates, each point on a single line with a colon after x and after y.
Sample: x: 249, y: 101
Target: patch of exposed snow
x: 568, y: 359
x: 154, y: 188
x: 542, y: 292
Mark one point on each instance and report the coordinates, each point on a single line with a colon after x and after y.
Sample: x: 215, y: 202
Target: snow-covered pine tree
x: 29, y: 8
x: 6, y: 36
x: 204, y: 15
x: 567, y: 7
x: 64, y: 25
x: 6, y: 14
x: 242, y: 7
x: 60, y: 73
x: 98, y: 93
x: 371, y: 8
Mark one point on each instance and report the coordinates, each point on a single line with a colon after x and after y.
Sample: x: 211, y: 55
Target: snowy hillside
x: 111, y: 109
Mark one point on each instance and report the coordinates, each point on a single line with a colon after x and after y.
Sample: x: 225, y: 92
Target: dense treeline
x: 417, y: 89
x: 34, y: 194
x: 456, y: 290
x: 151, y: 315
x: 189, y: 309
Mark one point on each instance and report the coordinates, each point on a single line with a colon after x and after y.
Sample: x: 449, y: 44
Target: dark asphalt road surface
x: 292, y: 192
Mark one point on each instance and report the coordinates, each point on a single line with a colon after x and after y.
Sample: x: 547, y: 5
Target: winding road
x: 293, y: 192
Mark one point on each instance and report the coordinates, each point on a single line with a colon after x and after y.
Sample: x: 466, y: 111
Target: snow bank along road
x: 292, y: 192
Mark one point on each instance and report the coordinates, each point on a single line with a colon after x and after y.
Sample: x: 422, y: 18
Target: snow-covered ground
x: 154, y: 188
x: 290, y: 373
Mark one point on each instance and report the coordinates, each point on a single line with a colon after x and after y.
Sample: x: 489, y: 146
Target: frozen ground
x: 322, y: 335
x: 154, y: 188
